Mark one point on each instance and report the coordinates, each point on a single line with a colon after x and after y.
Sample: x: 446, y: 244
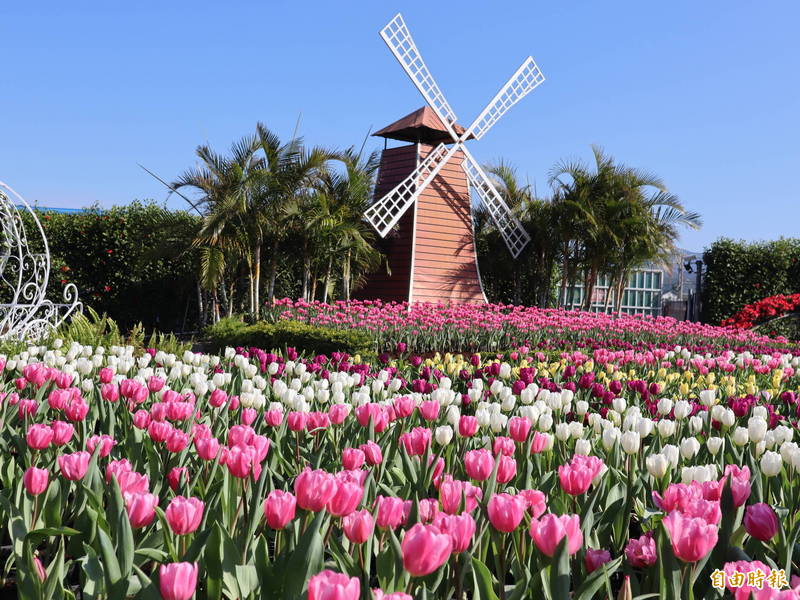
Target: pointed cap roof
x: 422, y: 125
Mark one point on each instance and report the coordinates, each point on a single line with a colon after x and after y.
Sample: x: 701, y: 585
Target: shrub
x: 278, y: 336
x: 738, y: 274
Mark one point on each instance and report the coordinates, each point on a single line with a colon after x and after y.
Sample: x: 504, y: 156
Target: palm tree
x: 621, y: 217
x: 224, y: 183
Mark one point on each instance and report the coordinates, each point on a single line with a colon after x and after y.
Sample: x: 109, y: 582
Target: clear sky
x: 706, y: 94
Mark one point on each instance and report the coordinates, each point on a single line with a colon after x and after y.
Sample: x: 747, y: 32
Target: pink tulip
x: 141, y: 508
x: 132, y: 482
x: 536, y: 500
x: 390, y: 514
x: 273, y: 418
x: 676, y: 497
x: 314, y: 489
x: 358, y: 526
x: 403, y: 406
x: 141, y: 419
x: 506, y: 511
x: 575, y: 479
x: 207, y: 448
x: 428, y: 509
x: 692, y: 537
x: 378, y: 594
x: 595, y: 559
x: 241, y: 435
x: 539, y: 442
x: 478, y: 464
x: 641, y: 552
x: 177, y: 581
x: 506, y: 469
x: 41, y: 573
x: 177, y: 476
x: 429, y: 409
x: 503, y: 445
x: 518, y: 428
x: 460, y: 528
x: 417, y: 441
x: 425, y: 549
x: 241, y: 461
x: 106, y: 443
x: 739, y: 482
x: 279, y: 509
x: 106, y: 374
x: 296, y: 421
x: 217, y: 398
x: 708, y: 510
x: 36, y: 480
x: 177, y: 440
x: 338, y: 413
x: 76, y: 409
x: 62, y: 432
x: 353, y: 458
x: 329, y: 585
x: 760, y: 521
x: 346, y: 499
x: 39, y: 436
x: 184, y: 514
x: 548, y: 532
x: 74, y: 466
x: 467, y: 426
x: 456, y: 495
x: 747, y: 591
x: 372, y: 452
x: 109, y: 392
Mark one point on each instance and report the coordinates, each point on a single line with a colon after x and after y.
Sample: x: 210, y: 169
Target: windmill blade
x: 514, y: 234
x: 386, y: 212
x: 521, y: 83
x: 400, y: 42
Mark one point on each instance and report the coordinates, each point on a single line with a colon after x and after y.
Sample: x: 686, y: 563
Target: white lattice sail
x: 25, y: 312
x: 387, y: 211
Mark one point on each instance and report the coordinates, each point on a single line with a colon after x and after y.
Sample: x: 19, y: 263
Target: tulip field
x: 645, y: 462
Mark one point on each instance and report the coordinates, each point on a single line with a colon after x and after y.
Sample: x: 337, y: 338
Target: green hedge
x: 277, y: 336
x: 130, y: 262
x: 739, y: 273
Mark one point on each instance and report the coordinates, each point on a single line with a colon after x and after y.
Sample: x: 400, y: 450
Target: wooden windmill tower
x: 430, y: 249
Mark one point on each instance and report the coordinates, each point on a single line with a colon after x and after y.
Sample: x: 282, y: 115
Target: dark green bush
x: 739, y: 273
x: 278, y: 336
x: 133, y: 263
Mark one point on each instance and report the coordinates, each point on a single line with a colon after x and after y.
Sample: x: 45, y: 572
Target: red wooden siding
x: 443, y: 261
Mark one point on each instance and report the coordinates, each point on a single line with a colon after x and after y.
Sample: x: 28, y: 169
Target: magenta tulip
x: 329, y: 585
x: 506, y: 511
x: 39, y: 436
x: 353, y: 458
x: 548, y: 532
x: 595, y: 559
x: 478, y: 464
x: 346, y: 499
x: 314, y: 489
x: 141, y: 508
x: 761, y: 522
x: 425, y: 549
x: 36, y: 480
x: 460, y: 528
x: 74, y: 466
x: 279, y: 508
x: 184, y: 514
x: 177, y: 581
x: 692, y: 537
x: 641, y: 552
x: 358, y: 526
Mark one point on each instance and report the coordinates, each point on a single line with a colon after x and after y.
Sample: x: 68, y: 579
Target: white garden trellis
x: 25, y: 312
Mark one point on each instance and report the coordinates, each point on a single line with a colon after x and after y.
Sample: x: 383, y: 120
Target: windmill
x: 430, y: 250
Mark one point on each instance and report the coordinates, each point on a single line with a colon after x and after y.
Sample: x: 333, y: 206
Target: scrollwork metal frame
x: 25, y: 312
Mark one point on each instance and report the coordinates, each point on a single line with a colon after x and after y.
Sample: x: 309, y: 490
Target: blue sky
x: 705, y: 94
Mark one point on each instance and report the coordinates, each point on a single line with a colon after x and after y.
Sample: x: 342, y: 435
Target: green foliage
x: 134, y: 262
x: 96, y: 330
x: 278, y: 336
x: 738, y: 273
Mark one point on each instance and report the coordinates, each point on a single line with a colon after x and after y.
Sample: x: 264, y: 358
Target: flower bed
x: 255, y: 475
x: 428, y: 327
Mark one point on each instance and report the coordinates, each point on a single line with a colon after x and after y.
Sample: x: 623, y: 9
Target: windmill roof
x: 422, y: 125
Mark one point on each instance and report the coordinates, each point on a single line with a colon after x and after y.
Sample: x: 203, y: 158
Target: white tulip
x: 728, y: 418
x: 583, y: 447
x: 657, y: 465
x: 757, y: 428
x: 741, y: 436
x: 689, y: 448
x: 666, y: 428
x: 771, y: 463
x: 715, y: 444
x: 576, y: 430
x: 759, y: 411
x: 630, y: 442
x: 610, y: 437
x: 682, y: 409
x: 644, y: 427
x: 545, y: 422
x: 708, y: 397
x: 672, y: 453
x: 664, y: 406
x: 619, y: 404
x: 505, y: 370
x: 444, y: 435
x: 562, y: 432
x: 581, y: 407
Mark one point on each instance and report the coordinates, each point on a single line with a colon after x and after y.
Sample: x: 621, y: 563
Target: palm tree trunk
x: 201, y: 309
x: 327, y: 279
x: 346, y: 275
x: 562, y: 292
x: 273, y: 272
x: 257, y: 280
x: 231, y: 294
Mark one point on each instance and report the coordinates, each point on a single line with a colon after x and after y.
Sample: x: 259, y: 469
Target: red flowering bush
x: 763, y: 310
